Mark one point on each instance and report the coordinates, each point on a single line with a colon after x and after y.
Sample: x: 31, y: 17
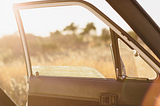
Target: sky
x: 8, y: 23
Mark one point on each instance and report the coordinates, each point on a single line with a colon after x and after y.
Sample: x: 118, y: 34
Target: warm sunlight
x: 7, y: 19
x: 8, y: 24
x: 68, y: 56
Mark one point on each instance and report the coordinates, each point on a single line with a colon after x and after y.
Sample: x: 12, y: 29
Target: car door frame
x: 118, y: 30
x: 130, y: 84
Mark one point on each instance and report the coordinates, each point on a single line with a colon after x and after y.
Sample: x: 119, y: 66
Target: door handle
x: 108, y: 99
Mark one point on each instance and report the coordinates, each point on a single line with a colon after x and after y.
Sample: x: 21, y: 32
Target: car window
x: 135, y: 66
x: 68, y: 36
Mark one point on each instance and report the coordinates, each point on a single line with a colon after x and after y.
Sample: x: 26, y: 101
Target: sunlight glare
x: 7, y: 19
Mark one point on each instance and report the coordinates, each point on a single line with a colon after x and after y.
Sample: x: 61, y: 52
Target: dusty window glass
x: 135, y: 66
x: 68, y: 36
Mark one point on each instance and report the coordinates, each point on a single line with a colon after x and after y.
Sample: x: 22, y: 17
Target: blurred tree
x: 71, y: 27
x: 105, y: 35
x: 56, y: 33
x: 88, y: 28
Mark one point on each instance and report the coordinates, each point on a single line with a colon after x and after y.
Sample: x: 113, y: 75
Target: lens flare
x: 152, y: 97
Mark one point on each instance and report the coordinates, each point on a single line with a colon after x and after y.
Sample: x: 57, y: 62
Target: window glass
x: 135, y: 66
x: 68, y: 36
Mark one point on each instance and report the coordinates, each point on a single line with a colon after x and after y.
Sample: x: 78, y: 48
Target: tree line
x: 11, y: 47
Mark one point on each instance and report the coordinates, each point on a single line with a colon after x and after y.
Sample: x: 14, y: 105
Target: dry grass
x: 98, y: 58
x: 13, y: 82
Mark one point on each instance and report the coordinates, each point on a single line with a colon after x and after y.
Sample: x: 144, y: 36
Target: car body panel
x: 77, y: 91
x: 5, y: 100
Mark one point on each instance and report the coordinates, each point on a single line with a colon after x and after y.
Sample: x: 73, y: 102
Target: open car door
x: 5, y: 100
x: 83, y: 86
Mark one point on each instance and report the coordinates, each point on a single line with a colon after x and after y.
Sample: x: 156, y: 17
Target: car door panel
x: 5, y: 100
x: 87, y: 92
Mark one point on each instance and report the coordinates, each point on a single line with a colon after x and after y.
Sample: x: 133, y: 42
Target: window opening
x: 72, y: 41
